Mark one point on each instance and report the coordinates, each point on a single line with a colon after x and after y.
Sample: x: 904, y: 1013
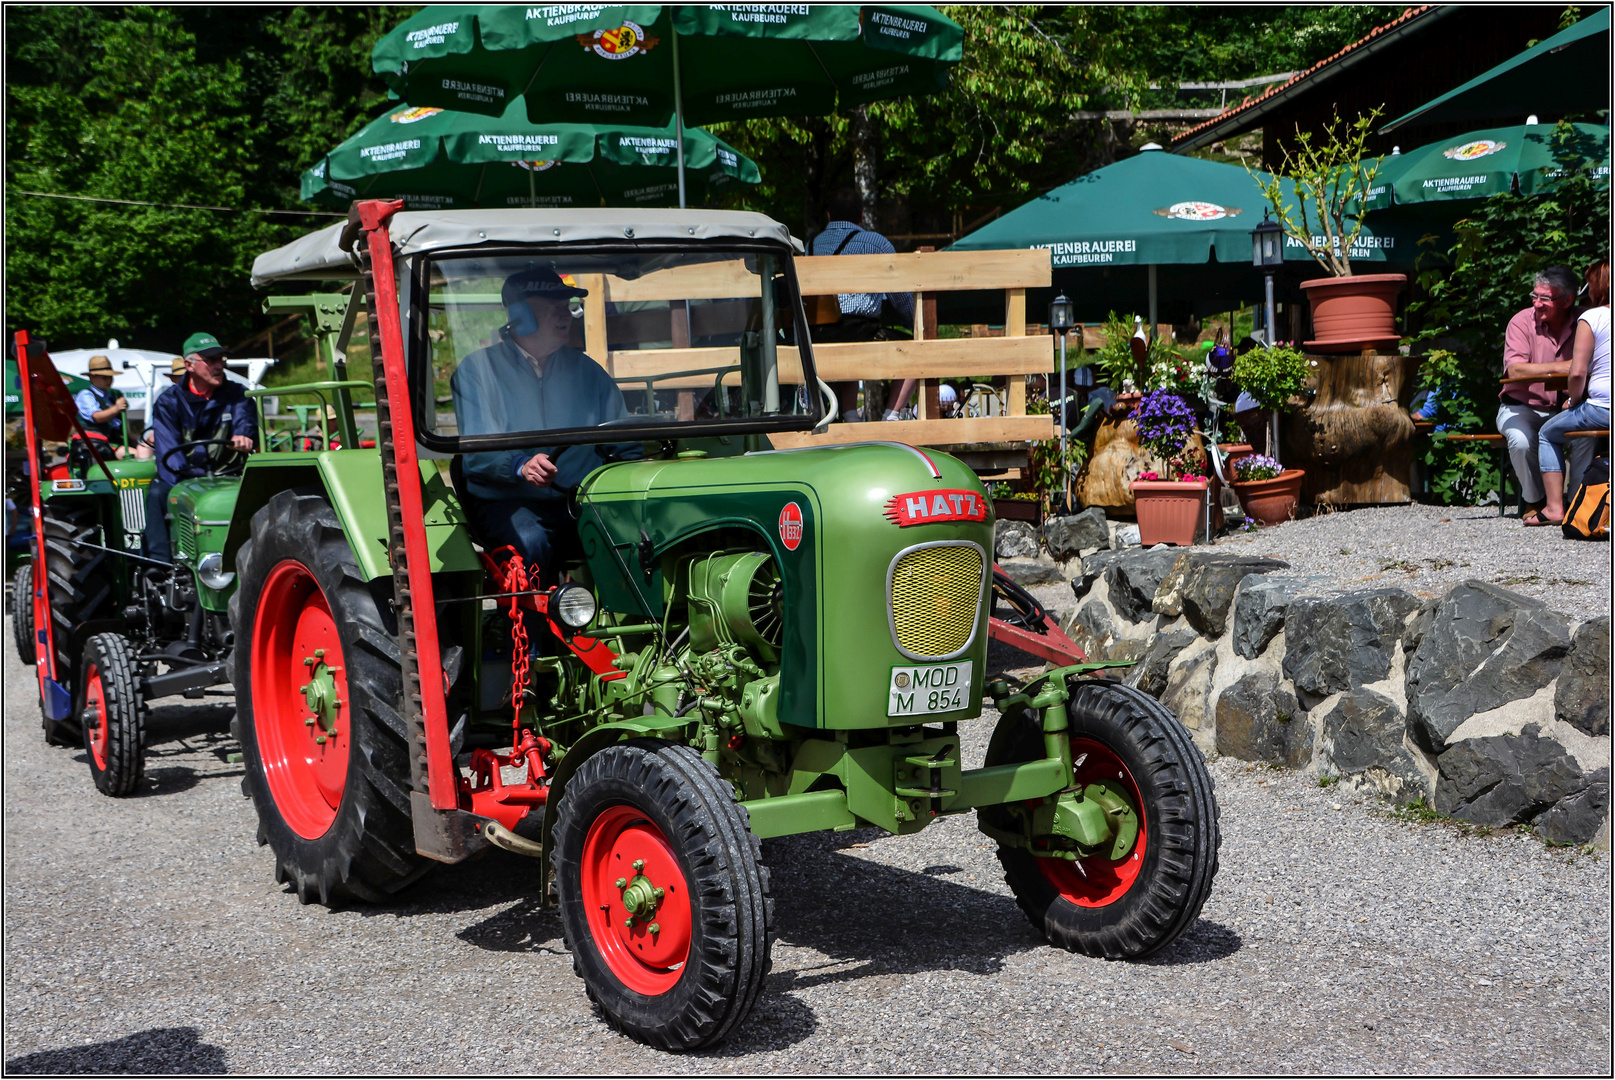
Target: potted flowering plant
x: 1170, y: 508
x: 1268, y: 491
x: 1318, y: 196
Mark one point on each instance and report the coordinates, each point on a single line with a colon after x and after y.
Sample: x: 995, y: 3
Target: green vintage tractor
x: 107, y: 627
x: 726, y: 640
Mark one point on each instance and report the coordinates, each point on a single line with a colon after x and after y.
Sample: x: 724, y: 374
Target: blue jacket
x: 496, y: 391
x: 179, y: 416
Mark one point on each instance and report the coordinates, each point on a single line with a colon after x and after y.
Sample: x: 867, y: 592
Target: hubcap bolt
x: 622, y: 883
x: 639, y: 864
x: 657, y: 894
x: 656, y: 928
x: 629, y: 922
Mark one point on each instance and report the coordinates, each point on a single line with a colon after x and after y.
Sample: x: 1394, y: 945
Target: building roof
x: 1252, y: 112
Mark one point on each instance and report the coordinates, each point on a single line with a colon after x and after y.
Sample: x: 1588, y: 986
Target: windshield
x: 566, y: 348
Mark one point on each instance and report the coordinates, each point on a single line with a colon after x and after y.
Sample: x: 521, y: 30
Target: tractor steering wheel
x: 225, y: 465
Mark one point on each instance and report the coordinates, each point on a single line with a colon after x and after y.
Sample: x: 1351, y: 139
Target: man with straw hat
x: 101, y: 407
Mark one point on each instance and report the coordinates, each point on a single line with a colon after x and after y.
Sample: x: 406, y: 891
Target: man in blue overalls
x: 530, y: 379
x: 203, y: 405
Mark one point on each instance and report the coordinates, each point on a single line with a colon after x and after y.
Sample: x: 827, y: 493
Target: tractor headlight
x: 574, y: 605
x: 210, y: 571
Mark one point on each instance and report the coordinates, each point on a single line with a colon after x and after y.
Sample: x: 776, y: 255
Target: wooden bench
x: 1505, y: 470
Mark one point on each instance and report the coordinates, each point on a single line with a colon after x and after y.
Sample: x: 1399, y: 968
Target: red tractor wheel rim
x: 1107, y: 880
x: 95, y: 711
x: 649, y: 954
x: 303, y: 738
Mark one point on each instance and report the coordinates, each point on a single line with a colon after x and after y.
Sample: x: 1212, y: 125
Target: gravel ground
x: 147, y: 934
x: 1428, y: 549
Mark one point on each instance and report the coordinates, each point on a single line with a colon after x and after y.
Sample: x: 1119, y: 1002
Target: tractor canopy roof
x: 319, y: 256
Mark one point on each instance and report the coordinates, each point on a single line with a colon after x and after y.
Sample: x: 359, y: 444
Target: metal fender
x: 351, y: 480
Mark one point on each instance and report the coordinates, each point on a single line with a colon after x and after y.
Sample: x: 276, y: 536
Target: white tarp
x: 141, y: 374
x: 316, y: 257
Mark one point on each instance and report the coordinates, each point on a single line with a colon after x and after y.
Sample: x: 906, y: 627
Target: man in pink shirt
x: 1538, y: 342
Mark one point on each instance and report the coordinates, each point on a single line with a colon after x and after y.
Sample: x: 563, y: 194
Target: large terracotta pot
x: 1356, y: 313
x: 1169, y: 511
x: 1271, y: 502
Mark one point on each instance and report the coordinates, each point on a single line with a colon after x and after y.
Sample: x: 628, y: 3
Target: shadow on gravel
x: 158, y: 1050
x: 525, y: 928
x: 882, y: 920
x: 1202, y: 943
x: 777, y: 1020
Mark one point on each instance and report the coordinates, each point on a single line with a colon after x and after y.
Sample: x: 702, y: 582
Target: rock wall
x: 1485, y: 703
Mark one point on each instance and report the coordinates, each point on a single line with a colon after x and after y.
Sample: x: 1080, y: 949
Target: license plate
x: 929, y: 688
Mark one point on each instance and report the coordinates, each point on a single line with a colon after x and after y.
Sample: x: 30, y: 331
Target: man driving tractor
x: 530, y: 379
x: 199, y: 421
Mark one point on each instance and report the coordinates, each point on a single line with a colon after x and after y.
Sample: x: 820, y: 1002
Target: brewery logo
x: 1469, y: 151
x: 1198, y: 211
x: 536, y: 166
x: 790, y: 526
x: 409, y: 116
x: 626, y: 40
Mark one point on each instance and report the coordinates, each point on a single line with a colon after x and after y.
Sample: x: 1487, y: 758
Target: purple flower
x: 1257, y: 467
x: 1164, y: 422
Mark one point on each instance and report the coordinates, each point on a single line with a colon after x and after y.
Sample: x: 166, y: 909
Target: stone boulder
x: 1039, y: 571
x: 1341, y: 641
x: 1201, y: 584
x: 1517, y: 779
x: 1259, y: 604
x: 1582, y: 696
x: 1188, y: 690
x: 1069, y: 537
x: 1014, y: 539
x: 1093, y: 568
x: 1365, y: 730
x: 1259, y: 720
x: 1150, y: 673
x: 1484, y: 647
x: 1133, y: 579
x: 1093, y: 631
x: 1126, y: 536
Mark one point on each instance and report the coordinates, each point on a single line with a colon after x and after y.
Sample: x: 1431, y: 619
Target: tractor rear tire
x: 112, y: 715
x: 331, y: 785
x: 655, y: 810
x: 22, y: 613
x: 82, y: 598
x: 1128, y: 908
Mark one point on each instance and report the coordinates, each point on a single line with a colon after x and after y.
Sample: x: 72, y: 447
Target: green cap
x: 203, y: 343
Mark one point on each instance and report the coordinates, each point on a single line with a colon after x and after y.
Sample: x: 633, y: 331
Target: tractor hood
x: 836, y: 518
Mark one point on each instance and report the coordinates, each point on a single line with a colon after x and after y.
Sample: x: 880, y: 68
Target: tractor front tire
x: 22, y: 613
x: 82, y: 599
x: 1128, y: 908
x: 664, y: 899
x: 112, y: 715
x: 317, y: 683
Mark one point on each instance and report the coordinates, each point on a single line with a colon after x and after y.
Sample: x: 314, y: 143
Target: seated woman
x: 1586, y: 407
x: 529, y: 379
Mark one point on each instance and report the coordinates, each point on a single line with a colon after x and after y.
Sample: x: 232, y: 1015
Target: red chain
x: 512, y: 578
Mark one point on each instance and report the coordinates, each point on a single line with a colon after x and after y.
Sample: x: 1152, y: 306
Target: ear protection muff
x: 522, y: 319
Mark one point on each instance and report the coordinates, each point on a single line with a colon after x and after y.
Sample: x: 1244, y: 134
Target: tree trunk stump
x: 1355, y: 439
x: 1106, y: 479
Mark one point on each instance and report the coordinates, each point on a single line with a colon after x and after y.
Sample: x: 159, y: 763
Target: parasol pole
x: 532, y: 185
x: 678, y: 112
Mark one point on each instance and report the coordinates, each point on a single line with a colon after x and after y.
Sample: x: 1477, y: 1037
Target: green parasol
x: 1564, y: 74
x: 433, y: 157
x: 655, y: 65
x: 1483, y: 163
x: 1157, y: 209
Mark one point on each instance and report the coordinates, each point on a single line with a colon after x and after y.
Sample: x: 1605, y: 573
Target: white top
x: 1597, y: 319
x: 320, y: 257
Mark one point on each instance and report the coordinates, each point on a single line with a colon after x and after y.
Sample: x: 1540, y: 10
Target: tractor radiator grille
x: 133, y: 500
x: 186, y: 530
x: 935, y: 594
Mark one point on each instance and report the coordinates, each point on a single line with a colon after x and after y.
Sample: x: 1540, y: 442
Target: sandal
x: 1534, y: 518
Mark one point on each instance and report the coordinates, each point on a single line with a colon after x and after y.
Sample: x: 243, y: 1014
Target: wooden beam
x: 952, y: 358
x: 1015, y: 327
x: 925, y: 432
x: 594, y: 317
